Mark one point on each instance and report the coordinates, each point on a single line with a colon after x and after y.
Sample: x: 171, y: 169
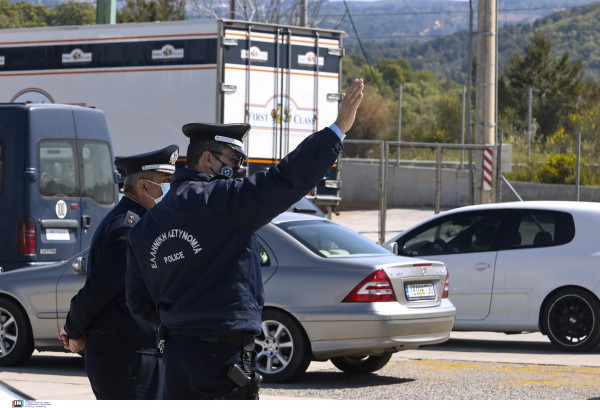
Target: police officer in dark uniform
x: 193, y: 261
x: 119, y: 356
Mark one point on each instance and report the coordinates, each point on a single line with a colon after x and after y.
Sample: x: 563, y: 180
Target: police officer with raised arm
x: 119, y: 348
x: 193, y: 261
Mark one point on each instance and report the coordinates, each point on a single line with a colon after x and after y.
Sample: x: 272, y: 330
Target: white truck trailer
x: 151, y: 78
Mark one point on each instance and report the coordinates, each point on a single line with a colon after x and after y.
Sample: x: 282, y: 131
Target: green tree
x: 22, y: 14
x: 557, y: 84
x: 431, y: 108
x: 72, y: 13
x: 395, y: 71
x: 138, y: 11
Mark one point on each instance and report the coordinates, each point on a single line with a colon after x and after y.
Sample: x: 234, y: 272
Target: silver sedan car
x: 330, y: 294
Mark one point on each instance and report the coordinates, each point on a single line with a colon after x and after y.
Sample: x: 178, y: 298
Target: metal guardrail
x: 384, y: 163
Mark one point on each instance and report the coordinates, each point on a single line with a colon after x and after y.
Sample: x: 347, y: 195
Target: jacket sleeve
x: 138, y: 298
x: 105, y: 279
x: 264, y: 195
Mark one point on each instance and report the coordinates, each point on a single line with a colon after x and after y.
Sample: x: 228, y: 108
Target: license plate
x: 419, y: 291
x: 57, y: 234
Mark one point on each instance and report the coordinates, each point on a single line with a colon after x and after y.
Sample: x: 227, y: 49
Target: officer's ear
x: 205, y: 162
x: 206, y: 157
x: 142, y: 185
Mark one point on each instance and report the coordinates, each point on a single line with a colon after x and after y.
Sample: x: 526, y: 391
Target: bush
x: 559, y: 169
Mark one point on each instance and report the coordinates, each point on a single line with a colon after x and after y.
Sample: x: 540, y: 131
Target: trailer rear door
x: 285, y: 82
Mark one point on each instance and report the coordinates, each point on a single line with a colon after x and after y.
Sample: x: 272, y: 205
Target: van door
x: 97, y: 181
x: 75, y: 185
x: 53, y: 196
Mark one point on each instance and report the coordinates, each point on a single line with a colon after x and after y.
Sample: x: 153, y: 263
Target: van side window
x: 57, y: 170
x: 98, y: 180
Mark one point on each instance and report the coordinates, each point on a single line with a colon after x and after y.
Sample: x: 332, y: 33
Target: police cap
x: 162, y: 160
x: 231, y: 134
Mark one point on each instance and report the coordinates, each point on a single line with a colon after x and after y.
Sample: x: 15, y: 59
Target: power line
x: 362, y: 48
x: 429, y: 36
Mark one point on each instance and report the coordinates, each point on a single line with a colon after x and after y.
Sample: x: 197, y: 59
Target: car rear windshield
x: 331, y: 240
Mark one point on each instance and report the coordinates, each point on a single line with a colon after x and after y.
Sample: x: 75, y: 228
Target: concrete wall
x: 536, y: 191
x: 414, y: 186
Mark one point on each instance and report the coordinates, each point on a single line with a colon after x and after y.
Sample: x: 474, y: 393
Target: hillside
x: 574, y: 30
x: 404, y: 21
x: 408, y: 21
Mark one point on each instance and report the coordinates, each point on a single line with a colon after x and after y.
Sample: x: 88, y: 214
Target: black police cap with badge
x: 231, y: 134
x: 162, y: 160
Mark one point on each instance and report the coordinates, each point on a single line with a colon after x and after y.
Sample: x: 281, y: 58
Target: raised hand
x: 349, y: 105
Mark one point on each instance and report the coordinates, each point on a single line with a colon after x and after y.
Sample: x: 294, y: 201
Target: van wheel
x: 361, y: 365
x: 571, y: 320
x: 282, y: 349
x: 16, y: 342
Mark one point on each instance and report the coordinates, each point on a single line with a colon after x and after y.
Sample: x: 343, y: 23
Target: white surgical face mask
x: 163, y: 186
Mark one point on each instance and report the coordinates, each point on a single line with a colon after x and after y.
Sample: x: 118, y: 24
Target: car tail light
x: 26, y: 236
x: 374, y: 288
x: 446, y: 285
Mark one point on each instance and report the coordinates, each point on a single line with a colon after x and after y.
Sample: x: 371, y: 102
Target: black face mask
x: 226, y: 170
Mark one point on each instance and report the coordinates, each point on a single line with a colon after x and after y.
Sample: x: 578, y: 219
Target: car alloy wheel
x: 572, y: 320
x: 281, y: 348
x: 16, y: 344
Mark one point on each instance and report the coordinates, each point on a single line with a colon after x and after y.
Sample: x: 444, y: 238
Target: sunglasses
x: 235, y: 159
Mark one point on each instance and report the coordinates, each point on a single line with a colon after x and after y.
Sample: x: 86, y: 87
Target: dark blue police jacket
x: 193, y: 259
x: 99, y: 307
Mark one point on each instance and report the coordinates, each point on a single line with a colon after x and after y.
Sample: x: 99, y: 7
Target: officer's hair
x: 130, y: 182
x: 197, y: 147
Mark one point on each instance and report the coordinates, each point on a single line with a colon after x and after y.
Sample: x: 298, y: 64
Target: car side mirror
x: 79, y: 265
x: 395, y: 248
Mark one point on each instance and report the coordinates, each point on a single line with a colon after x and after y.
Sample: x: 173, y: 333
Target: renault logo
x: 423, y: 270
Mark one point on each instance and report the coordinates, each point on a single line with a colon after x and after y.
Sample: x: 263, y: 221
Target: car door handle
x: 86, y: 221
x: 482, y: 266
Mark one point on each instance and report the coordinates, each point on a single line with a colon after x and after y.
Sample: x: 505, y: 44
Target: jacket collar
x: 133, y: 205
x: 185, y: 174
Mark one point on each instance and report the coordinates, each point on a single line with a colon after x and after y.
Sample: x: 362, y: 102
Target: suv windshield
x: 331, y: 240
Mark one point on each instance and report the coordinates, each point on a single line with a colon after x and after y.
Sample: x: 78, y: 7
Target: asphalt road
x: 470, y: 366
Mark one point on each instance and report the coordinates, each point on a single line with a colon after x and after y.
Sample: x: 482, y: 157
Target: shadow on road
x: 503, y: 346
x: 51, y: 364
x: 336, y: 380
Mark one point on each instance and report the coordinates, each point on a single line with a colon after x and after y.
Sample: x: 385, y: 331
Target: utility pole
x: 232, y: 9
x: 485, y: 99
x: 399, y: 122
x: 303, y: 14
x: 529, y: 105
x: 106, y: 11
x: 469, y: 93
